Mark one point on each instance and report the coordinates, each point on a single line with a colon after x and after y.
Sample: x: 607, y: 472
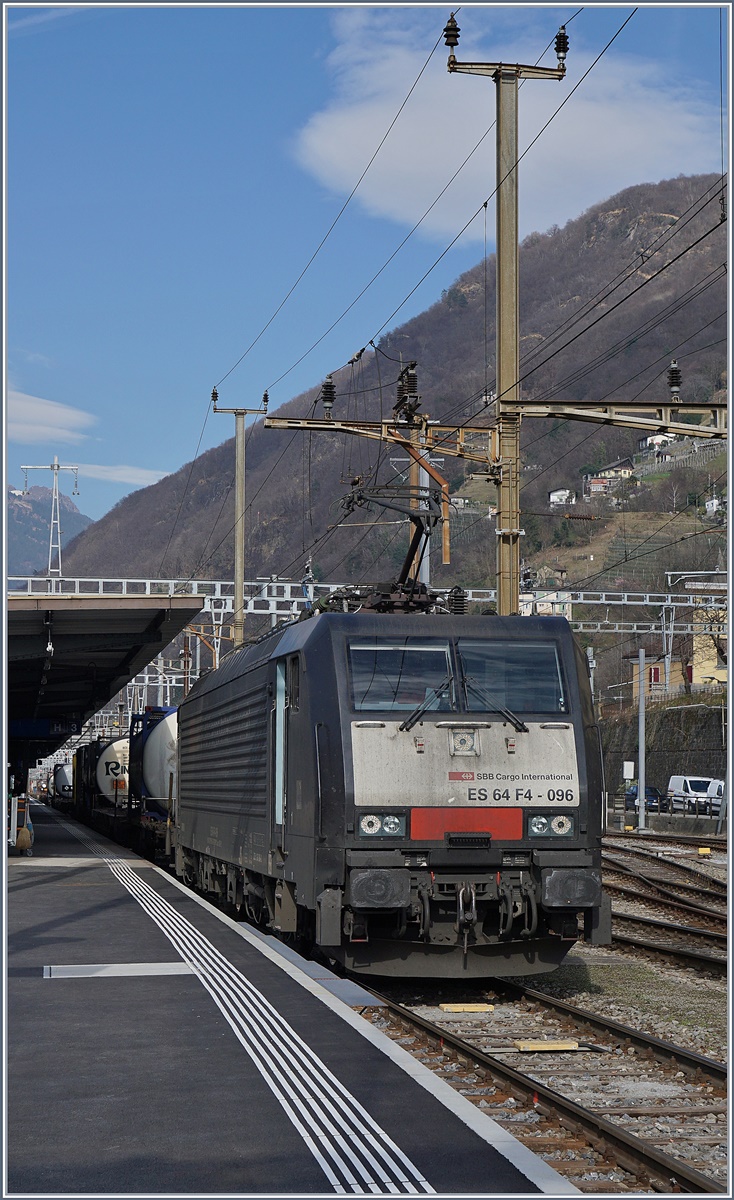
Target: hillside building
x: 606, y: 479
x: 710, y: 649
x: 561, y: 498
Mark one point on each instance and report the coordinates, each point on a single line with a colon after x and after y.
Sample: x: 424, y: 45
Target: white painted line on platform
x: 534, y: 1168
x: 90, y: 861
x: 354, y: 1152
x: 539, y: 1172
x: 102, y: 970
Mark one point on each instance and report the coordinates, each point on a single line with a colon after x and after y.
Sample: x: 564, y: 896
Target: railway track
x: 650, y: 836
x: 669, y: 880
x: 610, y: 1108
x: 651, y: 903
x: 679, y: 943
x: 658, y: 862
x: 674, y: 910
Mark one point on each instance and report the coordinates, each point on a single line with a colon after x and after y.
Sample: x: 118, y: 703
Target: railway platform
x: 155, y: 1046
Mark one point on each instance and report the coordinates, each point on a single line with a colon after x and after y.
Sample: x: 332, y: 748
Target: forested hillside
x: 605, y: 303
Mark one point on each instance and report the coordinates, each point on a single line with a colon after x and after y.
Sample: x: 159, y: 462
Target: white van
x: 690, y: 793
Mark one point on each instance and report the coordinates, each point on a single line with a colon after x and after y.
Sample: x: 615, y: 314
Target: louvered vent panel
x: 225, y: 754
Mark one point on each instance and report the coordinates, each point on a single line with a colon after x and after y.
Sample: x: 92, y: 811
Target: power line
x: 334, y: 222
x: 594, y: 302
x: 407, y: 237
x: 514, y: 167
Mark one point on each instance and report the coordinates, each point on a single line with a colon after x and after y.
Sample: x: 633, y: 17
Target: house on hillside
x: 681, y: 675
x: 710, y: 649
x: 606, y: 479
x: 698, y: 660
x: 655, y: 442
x: 561, y: 497
x: 714, y: 505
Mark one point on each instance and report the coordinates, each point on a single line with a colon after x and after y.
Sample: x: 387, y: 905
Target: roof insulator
x: 451, y: 33
x: 562, y: 46
x: 674, y: 380
x: 328, y: 396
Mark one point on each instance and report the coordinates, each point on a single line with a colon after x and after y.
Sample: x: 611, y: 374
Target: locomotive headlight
x: 382, y: 825
x: 558, y: 825
x: 370, y: 824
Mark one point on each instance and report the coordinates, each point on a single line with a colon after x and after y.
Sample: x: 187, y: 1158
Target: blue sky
x: 171, y: 170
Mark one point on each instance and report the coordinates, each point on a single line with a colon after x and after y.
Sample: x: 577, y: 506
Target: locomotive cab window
x: 396, y: 676
x: 521, y: 676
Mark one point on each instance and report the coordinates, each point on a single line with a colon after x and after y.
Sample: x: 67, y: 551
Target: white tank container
x: 63, y: 780
x: 112, y: 771
x: 159, y: 758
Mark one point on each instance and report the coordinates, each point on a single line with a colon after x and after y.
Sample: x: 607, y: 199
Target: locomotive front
x: 472, y: 802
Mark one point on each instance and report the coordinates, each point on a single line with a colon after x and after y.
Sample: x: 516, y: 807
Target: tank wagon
x: 152, y: 777
x: 410, y: 794
x: 101, y: 785
x: 61, y: 789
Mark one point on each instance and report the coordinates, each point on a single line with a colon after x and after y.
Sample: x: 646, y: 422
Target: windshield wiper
x: 471, y: 685
x: 417, y: 713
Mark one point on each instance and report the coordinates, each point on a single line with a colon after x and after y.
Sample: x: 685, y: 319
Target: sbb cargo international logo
x: 466, y: 776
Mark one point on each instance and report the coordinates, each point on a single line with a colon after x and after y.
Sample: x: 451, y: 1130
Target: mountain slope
x: 659, y: 300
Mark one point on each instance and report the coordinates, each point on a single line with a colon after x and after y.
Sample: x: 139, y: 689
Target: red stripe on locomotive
x: 432, y: 823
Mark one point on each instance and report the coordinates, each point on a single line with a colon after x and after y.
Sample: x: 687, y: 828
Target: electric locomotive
x: 407, y: 793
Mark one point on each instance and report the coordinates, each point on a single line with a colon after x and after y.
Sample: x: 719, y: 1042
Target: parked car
x: 716, y: 793
x: 690, y: 793
x: 655, y: 801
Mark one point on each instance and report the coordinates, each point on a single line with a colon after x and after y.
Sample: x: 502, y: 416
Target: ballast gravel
x: 676, y: 1004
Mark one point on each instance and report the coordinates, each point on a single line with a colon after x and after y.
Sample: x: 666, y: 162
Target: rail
x: 631, y: 1152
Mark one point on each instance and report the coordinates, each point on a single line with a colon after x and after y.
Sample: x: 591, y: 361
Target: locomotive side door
x: 286, y: 705
x: 280, y: 758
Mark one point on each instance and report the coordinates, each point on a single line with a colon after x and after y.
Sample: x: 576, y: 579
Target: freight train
x: 405, y: 793
x: 123, y: 787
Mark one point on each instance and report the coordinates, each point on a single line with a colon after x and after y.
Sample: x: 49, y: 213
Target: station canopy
x: 67, y: 656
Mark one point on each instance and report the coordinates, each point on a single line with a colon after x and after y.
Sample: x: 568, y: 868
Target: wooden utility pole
x: 238, y: 603
x: 506, y: 78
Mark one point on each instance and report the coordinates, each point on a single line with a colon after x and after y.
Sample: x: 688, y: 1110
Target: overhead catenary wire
x: 701, y: 285
x: 636, y: 334
x: 336, y: 220
x: 527, y: 149
x: 402, y: 243
x: 587, y: 72
x: 601, y: 295
x: 296, y: 283
x: 627, y: 272
x: 610, y: 310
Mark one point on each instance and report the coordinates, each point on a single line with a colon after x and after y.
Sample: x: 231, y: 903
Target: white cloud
x: 31, y: 419
x: 34, y: 357
x: 631, y: 121
x: 42, y: 18
x: 137, y: 476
